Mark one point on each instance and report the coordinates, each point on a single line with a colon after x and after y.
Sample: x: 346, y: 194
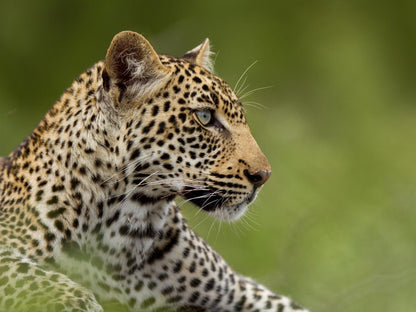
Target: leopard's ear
x: 200, y: 55
x: 131, y: 61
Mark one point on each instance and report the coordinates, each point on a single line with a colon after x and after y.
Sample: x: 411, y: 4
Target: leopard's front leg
x: 183, y: 271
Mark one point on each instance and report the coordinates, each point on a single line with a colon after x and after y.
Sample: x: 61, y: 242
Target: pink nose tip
x: 257, y: 178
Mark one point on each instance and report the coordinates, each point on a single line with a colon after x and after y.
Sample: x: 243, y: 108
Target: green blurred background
x: 335, y: 226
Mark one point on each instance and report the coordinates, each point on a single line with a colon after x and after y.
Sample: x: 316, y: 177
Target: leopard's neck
x: 75, y: 177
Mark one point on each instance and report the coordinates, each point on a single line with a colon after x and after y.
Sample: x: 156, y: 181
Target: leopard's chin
x: 235, y: 211
x: 217, y: 205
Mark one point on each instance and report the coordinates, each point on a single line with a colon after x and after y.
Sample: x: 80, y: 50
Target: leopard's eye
x: 204, y: 116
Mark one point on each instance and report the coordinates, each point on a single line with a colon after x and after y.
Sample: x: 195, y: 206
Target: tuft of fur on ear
x: 201, y: 55
x: 131, y: 65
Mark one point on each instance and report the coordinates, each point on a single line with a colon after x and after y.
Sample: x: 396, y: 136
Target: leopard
x: 89, y: 218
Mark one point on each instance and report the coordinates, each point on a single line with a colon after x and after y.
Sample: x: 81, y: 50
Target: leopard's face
x: 189, y: 137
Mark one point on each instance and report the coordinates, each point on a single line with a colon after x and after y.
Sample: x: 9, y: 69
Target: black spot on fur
x: 159, y: 253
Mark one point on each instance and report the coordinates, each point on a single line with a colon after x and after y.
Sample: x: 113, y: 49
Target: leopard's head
x: 182, y: 129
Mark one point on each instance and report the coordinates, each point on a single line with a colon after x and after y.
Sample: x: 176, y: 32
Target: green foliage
x: 334, y: 226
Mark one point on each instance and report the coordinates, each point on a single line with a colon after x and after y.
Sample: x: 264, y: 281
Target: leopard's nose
x: 257, y: 177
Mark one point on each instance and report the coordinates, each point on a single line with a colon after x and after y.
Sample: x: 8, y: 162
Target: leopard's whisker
x: 256, y: 105
x: 206, y: 203
x: 206, y: 216
x: 243, y: 88
x: 242, y: 75
x: 248, y: 93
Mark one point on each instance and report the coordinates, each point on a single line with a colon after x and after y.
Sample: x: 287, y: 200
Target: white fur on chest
x: 137, y: 226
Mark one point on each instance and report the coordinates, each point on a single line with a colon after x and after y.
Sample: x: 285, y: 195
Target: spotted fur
x: 87, y: 211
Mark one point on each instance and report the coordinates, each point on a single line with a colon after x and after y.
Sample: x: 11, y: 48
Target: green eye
x: 204, y: 116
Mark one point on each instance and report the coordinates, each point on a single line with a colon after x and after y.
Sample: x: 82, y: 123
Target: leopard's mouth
x: 215, y: 203
x: 206, y: 199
